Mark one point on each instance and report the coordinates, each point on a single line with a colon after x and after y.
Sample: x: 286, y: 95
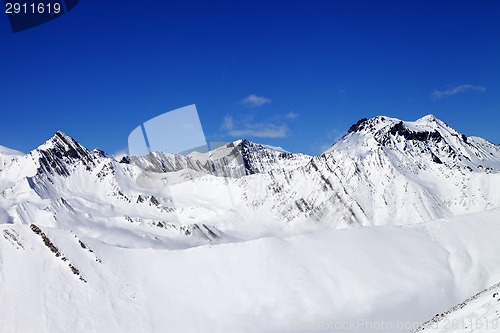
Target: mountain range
x: 149, y: 243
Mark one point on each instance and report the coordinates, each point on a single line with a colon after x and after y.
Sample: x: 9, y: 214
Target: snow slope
x: 479, y: 313
x: 386, y: 277
x: 4, y: 151
x: 7, y: 155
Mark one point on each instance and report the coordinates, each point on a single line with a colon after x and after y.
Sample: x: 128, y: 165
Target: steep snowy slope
x: 7, y: 156
x: 385, y: 279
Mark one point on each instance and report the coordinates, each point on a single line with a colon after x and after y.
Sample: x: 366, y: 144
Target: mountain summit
x: 60, y: 151
x: 427, y: 138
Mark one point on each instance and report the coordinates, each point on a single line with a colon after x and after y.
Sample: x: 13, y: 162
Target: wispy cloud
x: 440, y: 94
x: 291, y: 115
x: 255, y: 101
x: 259, y: 130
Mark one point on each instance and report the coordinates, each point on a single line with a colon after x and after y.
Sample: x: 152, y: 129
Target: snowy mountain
x: 194, y: 226
x: 383, y: 171
x: 234, y: 159
x: 388, y: 171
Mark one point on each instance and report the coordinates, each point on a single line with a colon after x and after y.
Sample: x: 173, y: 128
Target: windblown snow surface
x: 397, y: 222
x: 386, y: 278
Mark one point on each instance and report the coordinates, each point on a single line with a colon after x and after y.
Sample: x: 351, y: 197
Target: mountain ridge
x: 424, y: 168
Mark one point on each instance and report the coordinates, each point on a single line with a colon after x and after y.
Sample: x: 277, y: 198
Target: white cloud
x: 291, y: 115
x: 259, y: 130
x: 255, y: 101
x: 439, y: 94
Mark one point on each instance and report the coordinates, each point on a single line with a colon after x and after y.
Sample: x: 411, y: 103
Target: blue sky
x: 295, y: 74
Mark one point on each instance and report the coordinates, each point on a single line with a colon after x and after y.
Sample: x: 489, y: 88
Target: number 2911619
x: 32, y: 8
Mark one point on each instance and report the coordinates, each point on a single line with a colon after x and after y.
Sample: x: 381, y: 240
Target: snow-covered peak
x: 61, y: 141
x: 371, y: 125
x: 237, y: 142
x: 245, y: 142
x: 60, y: 151
x: 362, y: 131
x: 382, y: 125
x: 427, y: 119
x: 430, y: 122
x: 427, y: 139
x: 98, y: 152
x: 234, y: 159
